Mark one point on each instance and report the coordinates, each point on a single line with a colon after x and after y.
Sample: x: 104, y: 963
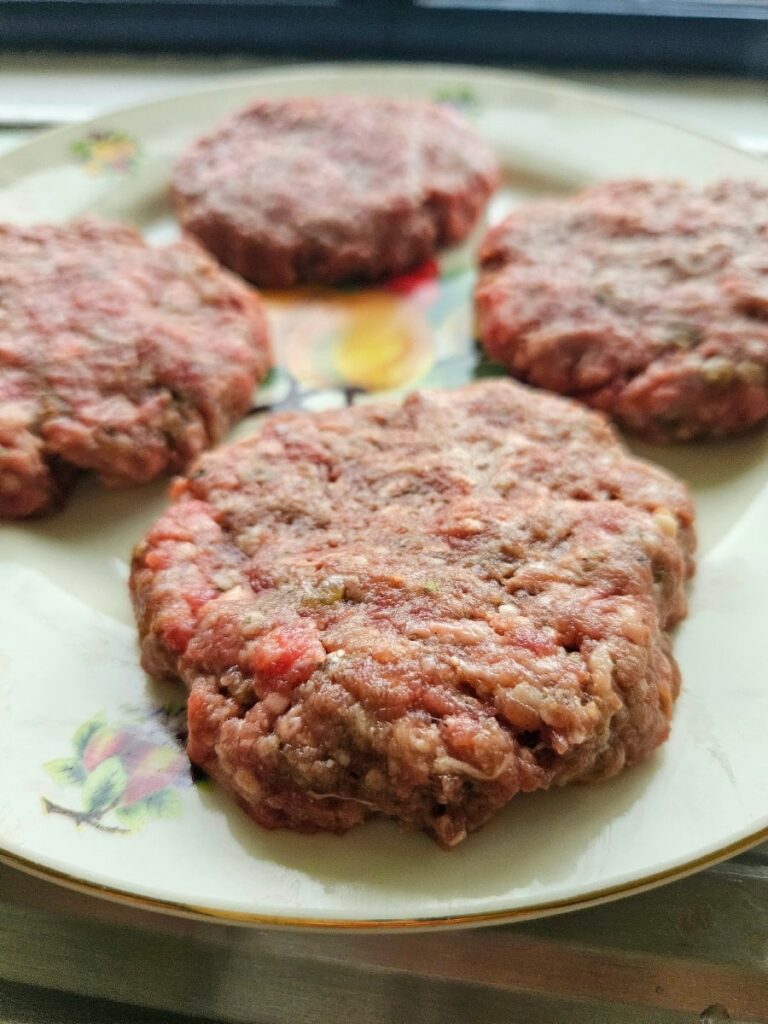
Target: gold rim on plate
x: 544, y: 909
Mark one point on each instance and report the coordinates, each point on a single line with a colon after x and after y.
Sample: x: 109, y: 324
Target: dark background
x: 686, y: 35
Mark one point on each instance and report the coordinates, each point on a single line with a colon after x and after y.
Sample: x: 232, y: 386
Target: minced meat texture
x: 115, y: 357
x: 333, y: 189
x: 418, y: 610
x: 646, y: 299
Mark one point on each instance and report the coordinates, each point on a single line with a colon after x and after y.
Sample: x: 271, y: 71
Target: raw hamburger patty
x: 334, y: 189
x: 648, y: 299
x: 115, y: 357
x: 418, y: 610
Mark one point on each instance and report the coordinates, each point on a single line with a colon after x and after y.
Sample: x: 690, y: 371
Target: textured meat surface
x: 647, y: 299
x: 115, y: 357
x: 333, y: 189
x: 418, y: 610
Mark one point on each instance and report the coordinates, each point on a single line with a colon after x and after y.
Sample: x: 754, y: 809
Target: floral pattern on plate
x: 346, y: 343
x: 126, y: 774
x: 462, y: 97
x: 101, y: 151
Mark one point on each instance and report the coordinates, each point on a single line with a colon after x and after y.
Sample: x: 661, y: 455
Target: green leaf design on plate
x: 272, y: 374
x: 67, y: 771
x: 134, y: 817
x: 461, y: 96
x: 104, y: 786
x: 166, y: 803
x: 127, y: 773
x: 487, y: 368
x: 87, y: 731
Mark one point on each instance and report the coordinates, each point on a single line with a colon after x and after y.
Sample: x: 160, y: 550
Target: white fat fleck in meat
x: 600, y: 665
x: 666, y: 522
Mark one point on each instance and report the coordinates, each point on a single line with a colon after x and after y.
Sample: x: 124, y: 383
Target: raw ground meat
x: 115, y: 357
x: 647, y: 299
x: 333, y: 189
x: 418, y: 610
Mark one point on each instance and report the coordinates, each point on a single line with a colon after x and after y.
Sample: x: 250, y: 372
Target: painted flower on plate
x: 126, y: 774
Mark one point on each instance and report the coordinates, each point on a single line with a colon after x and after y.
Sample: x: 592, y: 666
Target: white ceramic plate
x: 94, y: 789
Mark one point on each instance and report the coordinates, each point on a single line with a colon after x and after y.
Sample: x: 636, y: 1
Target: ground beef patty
x: 333, y: 189
x: 115, y: 357
x: 646, y: 299
x: 418, y: 610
